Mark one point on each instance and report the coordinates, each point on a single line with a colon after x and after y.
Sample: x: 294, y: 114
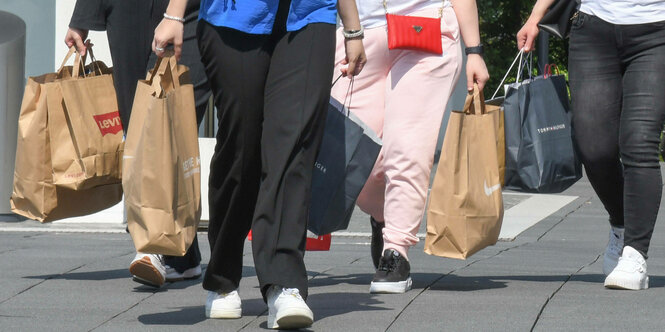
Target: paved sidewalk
x: 549, y: 277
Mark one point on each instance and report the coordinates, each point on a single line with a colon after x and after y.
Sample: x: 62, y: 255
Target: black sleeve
x: 89, y: 15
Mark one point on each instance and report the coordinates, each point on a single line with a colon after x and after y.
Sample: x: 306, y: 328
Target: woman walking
x: 616, y: 65
x: 402, y: 95
x: 270, y: 66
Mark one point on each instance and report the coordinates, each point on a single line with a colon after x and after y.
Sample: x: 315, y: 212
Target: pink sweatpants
x: 402, y: 95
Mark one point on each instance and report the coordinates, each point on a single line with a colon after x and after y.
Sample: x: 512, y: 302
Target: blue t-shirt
x: 258, y: 16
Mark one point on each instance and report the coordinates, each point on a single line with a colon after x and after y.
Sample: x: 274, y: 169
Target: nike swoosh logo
x: 490, y: 190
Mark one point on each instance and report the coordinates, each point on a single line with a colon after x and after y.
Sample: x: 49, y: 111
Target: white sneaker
x: 613, y: 250
x: 191, y: 273
x: 287, y: 309
x: 226, y: 305
x: 148, y: 269
x: 630, y: 273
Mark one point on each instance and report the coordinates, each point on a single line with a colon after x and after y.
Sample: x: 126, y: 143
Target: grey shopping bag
x: 540, y: 151
x: 346, y: 157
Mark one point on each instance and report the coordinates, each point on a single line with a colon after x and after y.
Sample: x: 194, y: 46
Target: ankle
x: 401, y: 250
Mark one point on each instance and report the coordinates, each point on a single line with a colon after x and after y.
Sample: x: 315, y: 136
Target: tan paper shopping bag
x: 499, y: 125
x: 34, y: 194
x: 84, y: 127
x: 161, y: 167
x: 465, y: 206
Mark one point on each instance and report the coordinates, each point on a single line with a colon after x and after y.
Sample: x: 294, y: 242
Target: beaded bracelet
x: 174, y: 18
x: 354, y: 33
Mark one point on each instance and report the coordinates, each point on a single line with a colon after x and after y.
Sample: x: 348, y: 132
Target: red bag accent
x: 414, y: 33
x: 319, y: 243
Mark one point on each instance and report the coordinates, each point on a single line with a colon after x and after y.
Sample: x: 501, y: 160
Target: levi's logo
x: 191, y: 166
x: 108, y: 123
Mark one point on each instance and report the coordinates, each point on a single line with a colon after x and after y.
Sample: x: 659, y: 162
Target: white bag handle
x: 520, y: 68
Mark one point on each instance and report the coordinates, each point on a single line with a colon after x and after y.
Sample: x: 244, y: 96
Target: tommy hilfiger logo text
x: 109, y: 123
x: 551, y: 128
x: 320, y: 167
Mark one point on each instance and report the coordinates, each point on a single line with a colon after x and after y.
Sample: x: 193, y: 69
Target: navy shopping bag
x: 346, y: 157
x: 540, y: 150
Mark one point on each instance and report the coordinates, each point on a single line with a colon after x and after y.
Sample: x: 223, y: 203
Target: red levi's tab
x: 108, y: 123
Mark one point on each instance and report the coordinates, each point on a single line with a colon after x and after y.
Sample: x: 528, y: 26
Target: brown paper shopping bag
x: 465, y: 206
x: 85, y: 128
x: 499, y: 125
x: 161, y: 166
x: 35, y: 195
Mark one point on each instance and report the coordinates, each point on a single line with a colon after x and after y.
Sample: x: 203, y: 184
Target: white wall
x: 63, y: 13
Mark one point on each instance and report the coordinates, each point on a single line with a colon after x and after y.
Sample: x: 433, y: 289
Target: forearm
x: 88, y: 15
x: 177, y: 8
x: 466, y: 12
x: 539, y: 10
x: 348, y: 13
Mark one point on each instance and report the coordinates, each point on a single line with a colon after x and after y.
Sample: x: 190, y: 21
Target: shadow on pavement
x: 340, y: 303
x: 92, y: 275
x: 461, y: 284
x: 179, y: 316
x: 196, y: 314
x: 324, y: 305
x: 352, y: 279
x: 451, y: 282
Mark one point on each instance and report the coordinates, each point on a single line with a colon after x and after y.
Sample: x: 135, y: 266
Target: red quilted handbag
x: 414, y: 33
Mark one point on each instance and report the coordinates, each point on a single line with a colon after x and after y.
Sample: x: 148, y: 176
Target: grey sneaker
x: 287, y: 309
x: 630, y: 273
x: 148, y: 269
x: 173, y: 275
x: 613, y: 250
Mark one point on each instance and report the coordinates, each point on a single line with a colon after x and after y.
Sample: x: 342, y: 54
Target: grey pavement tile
x: 60, y: 281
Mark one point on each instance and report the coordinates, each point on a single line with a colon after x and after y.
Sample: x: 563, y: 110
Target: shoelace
x: 614, y: 242
x: 292, y: 292
x: 388, y: 264
x: 160, y: 258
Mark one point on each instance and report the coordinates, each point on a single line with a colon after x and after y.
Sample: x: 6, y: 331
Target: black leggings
x: 616, y: 76
x: 272, y: 93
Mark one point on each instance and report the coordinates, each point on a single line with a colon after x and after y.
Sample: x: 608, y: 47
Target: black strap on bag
x: 559, y: 17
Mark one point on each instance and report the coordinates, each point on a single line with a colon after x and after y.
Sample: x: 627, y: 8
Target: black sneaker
x: 377, y: 241
x: 393, y: 274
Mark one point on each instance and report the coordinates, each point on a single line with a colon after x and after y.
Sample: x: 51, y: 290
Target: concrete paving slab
x: 548, y: 278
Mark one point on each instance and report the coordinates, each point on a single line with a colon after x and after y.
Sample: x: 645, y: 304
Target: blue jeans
x: 617, y: 75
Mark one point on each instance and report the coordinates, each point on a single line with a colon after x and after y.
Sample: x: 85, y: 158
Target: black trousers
x: 616, y: 84
x: 130, y: 26
x: 271, y: 92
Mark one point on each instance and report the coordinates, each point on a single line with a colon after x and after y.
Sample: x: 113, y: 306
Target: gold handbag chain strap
x: 443, y: 5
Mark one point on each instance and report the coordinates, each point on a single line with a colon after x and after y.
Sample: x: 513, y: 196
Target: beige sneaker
x: 148, y: 269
